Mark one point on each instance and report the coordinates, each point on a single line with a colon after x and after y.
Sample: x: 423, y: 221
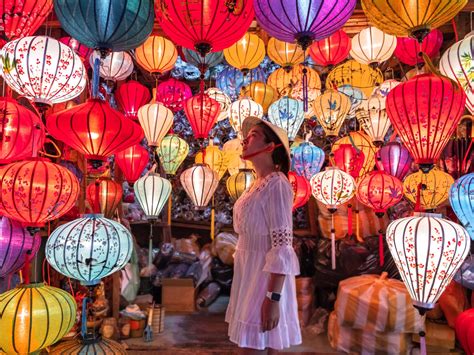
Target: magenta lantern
x: 173, y: 93
x: 408, y: 49
x: 394, y: 159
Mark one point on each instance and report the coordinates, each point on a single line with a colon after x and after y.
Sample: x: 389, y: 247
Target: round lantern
x: 104, y: 196
x: 414, y: 19
x: 290, y: 82
x: 239, y: 182
x: 223, y: 100
x: 156, y: 55
x: 434, y: 189
x: 284, y: 54
x: 214, y: 158
x: 456, y: 63
x: 240, y: 110
x: 465, y: 330
x: 307, y: 159
x: 94, y: 129
x: 355, y: 95
x: 373, y: 118
x: 172, y: 152
x: 17, y: 246
x: 202, y: 113
x: 372, y: 46
x: 99, y: 345
x: 332, y: 187
x: 81, y: 50
x: 349, y: 159
x: 261, y: 93
x: 233, y: 152
x: 132, y: 161
x: 116, y: 25
x: 383, y: 89
x: 394, y: 159
x: 288, y: 114
x: 152, y: 193
x: 116, y: 66
x: 200, y: 182
x: 425, y: 112
x: 331, y: 109
x: 72, y: 249
x: 301, y: 189
x: 208, y: 61
x: 247, y: 53
x: 131, y: 96
x: 427, y: 250
x: 173, y: 93
x: 408, y: 49
x: 461, y: 197
x: 231, y: 80
x: 28, y: 61
x: 204, y: 26
x: 331, y: 50
x: 36, y: 316
x: 156, y: 121
x: 36, y: 191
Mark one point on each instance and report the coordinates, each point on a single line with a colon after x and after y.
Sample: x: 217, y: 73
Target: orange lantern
x: 284, y: 54
x: 290, y: 82
x: 331, y: 108
x: 245, y: 54
x: 104, y: 195
x: 261, y: 93
x: 157, y: 55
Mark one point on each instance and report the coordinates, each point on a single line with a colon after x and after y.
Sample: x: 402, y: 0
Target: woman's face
x: 254, y: 142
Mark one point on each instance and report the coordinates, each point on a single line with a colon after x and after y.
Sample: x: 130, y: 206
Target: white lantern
x: 152, y: 191
x: 115, y: 66
x: 372, y: 46
x: 373, y: 118
x: 240, y: 110
x: 355, y: 95
x: 428, y: 250
x: 384, y: 88
x: 200, y: 182
x: 156, y: 120
x: 288, y: 114
x: 43, y: 69
x: 222, y: 99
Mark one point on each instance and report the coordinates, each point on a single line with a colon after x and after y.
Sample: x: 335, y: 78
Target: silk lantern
x: 331, y: 50
x: 461, y: 197
x: 152, y: 192
x: 104, y: 196
x: 98, y: 345
x: 157, y: 55
x: 394, y: 159
x: 301, y: 189
x: 383, y: 89
x: 288, y: 114
x: 27, y: 63
x: 231, y: 80
x: 457, y: 157
x: 72, y: 248
x: 261, y: 93
x: 208, y: 61
x: 131, y: 96
x: 200, y: 182
x: 372, y: 46
x: 214, y: 158
x: 284, y: 54
x: 307, y: 159
x: 464, y: 326
x: 233, y: 152
x: 36, y: 316
x: 172, y: 152
x: 202, y: 113
x: 173, y: 93
x: 331, y: 109
x: 247, y: 53
x: 240, y: 110
x: 115, y: 66
x: 132, y: 161
x: 223, y: 100
x: 355, y: 95
x: 349, y: 159
x: 408, y: 49
x: 156, y: 121
x: 81, y: 50
x: 290, y: 82
x: 373, y: 119
x: 425, y: 112
x: 238, y: 183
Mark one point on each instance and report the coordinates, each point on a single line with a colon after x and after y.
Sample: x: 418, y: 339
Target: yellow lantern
x: 233, y: 152
x: 360, y: 76
x: 434, y: 188
x: 372, y: 46
x: 247, y: 53
x: 413, y: 18
x: 34, y: 316
x: 373, y: 118
x: 290, y: 82
x: 261, y: 93
x: 157, y: 55
x: 238, y: 183
x: 285, y: 54
x: 172, y: 152
x: 331, y: 109
x: 215, y: 158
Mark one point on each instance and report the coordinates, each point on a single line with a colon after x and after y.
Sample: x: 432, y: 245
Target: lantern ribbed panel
x: 461, y: 197
x: 89, y: 248
x: 100, y: 346
x: 349, y: 159
x: 331, y: 50
x: 172, y: 152
x: 214, y: 24
x: 202, y: 113
x: 109, y: 196
x: 240, y: 110
x: 36, y: 191
x: 118, y: 25
x: 373, y: 118
x: 214, y: 158
x: 200, y: 182
x: 173, y: 94
x: 45, y: 71
x: 157, y: 55
x: 116, y: 66
x: 372, y: 46
x: 152, y: 193
x: 237, y: 183
x: 427, y: 250
x: 156, y: 120
x: 290, y: 82
x: 331, y: 109
x: 332, y: 187
x: 301, y: 189
x: 210, y: 60
x: 131, y: 96
x: 132, y: 161
x: 284, y: 54
x: 408, y: 49
x: 307, y: 159
x: 288, y: 114
x: 233, y: 152
x: 35, y: 316
x: 94, y: 129
x: 356, y: 96
x: 394, y: 159
x: 16, y: 244
x: 379, y: 191
x: 223, y: 100
x: 425, y: 112
x: 261, y: 93
x: 231, y: 80
x: 247, y: 53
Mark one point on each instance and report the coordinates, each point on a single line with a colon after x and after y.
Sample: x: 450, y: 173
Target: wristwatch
x: 273, y: 296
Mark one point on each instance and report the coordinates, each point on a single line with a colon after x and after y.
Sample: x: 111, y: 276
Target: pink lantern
x: 394, y: 159
x: 173, y: 93
x: 408, y: 49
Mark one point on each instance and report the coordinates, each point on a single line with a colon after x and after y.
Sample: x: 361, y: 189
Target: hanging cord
x: 455, y: 30
x: 381, y: 246
x: 150, y: 247
x: 333, y: 243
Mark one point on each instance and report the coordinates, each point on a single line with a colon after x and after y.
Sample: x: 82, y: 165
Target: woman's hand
x: 270, y: 314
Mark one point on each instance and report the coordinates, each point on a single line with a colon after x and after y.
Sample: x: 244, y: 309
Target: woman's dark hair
x: 279, y: 155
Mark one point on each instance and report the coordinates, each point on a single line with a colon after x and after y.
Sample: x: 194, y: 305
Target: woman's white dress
x: 263, y: 220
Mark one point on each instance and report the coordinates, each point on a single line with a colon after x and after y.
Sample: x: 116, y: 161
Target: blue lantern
x: 461, y: 197
x: 307, y: 159
x: 355, y: 95
x: 210, y: 60
x: 230, y: 80
x: 117, y: 25
x: 89, y: 248
x: 288, y: 114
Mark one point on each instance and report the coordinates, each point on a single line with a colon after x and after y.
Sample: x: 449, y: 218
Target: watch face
x: 275, y: 296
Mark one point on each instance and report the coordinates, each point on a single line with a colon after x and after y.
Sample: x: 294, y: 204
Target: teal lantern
x: 461, y: 197
x: 203, y: 63
x: 307, y: 159
x: 288, y: 114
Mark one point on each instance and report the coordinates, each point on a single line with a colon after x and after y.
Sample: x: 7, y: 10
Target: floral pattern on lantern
x: 408, y: 49
x: 332, y: 187
x: 284, y: 54
x: 355, y: 95
x: 200, y: 182
x: 307, y: 159
x: 202, y: 113
x: 247, y: 53
x: 131, y: 96
x: 238, y: 183
x: 301, y: 189
x: 331, y: 50
x: 214, y: 158
x: 152, y: 192
x: 104, y: 196
x: 331, y: 109
x: 261, y: 93
x: 383, y: 89
x: 116, y: 66
x: 172, y: 152
x: 231, y: 80
x: 156, y: 121
x: 288, y: 114
x: 394, y: 159
x: 240, y: 110
x: 173, y: 93
x: 132, y: 161
x: 461, y: 197
x: 373, y: 118
x: 349, y: 159
x: 379, y: 191
x: 223, y: 100
x: 372, y: 46
x: 156, y: 55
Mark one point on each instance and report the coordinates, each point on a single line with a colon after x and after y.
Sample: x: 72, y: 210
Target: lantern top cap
x: 425, y: 214
x: 93, y: 215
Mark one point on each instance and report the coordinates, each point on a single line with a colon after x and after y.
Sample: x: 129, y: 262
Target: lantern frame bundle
x: 152, y: 192
x: 156, y: 120
x: 132, y: 161
x: 200, y: 182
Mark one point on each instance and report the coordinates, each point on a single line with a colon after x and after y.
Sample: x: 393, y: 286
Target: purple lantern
x: 302, y: 21
x: 394, y: 159
x: 16, y: 244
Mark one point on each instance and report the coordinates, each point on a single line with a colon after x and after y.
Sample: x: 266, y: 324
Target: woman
x: 262, y: 312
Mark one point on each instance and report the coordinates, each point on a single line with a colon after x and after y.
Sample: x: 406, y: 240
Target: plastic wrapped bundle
x: 208, y: 295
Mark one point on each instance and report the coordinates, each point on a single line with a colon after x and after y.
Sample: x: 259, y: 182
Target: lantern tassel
x: 170, y: 202
x: 333, y: 243
x: 418, y: 198
x: 150, y: 246
x: 97, y: 197
x: 95, y: 78
x: 305, y: 89
x: 422, y: 343
x: 349, y: 220
x: 26, y: 269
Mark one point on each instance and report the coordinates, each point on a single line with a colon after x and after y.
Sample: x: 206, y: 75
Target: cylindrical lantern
x: 132, y: 161
x: 104, y: 196
x: 233, y: 152
x: 461, y: 197
x: 99, y: 345
x: 173, y: 93
x: 156, y: 121
x: 36, y: 316
x: 331, y: 109
x: 200, y: 182
x: 349, y: 159
x: 172, y: 152
x: 73, y: 248
x: 239, y: 182
x: 288, y: 114
x: 152, y: 193
x: 208, y: 61
x: 261, y: 93
x: 240, y: 110
x: 223, y: 100
x: 394, y: 159
x: 408, y: 49
x: 372, y: 46
x: 284, y: 54
x: 331, y: 50
x: 131, y: 96
x: 301, y: 189
x: 156, y: 55
x: 116, y: 66
x: 214, y: 158
x: 247, y: 53
x: 231, y: 80
x: 307, y: 159
x: 202, y: 113
x: 373, y: 118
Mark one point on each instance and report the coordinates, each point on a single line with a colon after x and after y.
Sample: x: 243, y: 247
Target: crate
x: 158, y: 319
x: 178, y: 295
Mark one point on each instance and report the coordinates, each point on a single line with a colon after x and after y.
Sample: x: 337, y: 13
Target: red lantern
x: 204, y: 25
x: 202, y: 113
x: 94, y: 129
x: 301, y: 188
x: 104, y: 195
x: 425, y: 112
x: 131, y: 96
x: 21, y: 131
x: 173, y: 93
x: 331, y: 50
x: 464, y: 327
x: 349, y: 159
x: 408, y: 49
x: 132, y: 161
x: 36, y: 191
x: 81, y: 50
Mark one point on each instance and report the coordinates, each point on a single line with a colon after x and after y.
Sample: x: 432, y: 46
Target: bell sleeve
x: 281, y: 258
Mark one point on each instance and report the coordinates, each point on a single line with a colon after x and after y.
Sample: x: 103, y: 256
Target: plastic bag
x: 187, y: 245
x: 205, y: 259
x: 130, y: 281
x: 194, y: 272
x: 224, y: 246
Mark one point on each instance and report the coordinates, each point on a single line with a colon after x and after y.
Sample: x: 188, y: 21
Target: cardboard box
x: 178, y: 295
